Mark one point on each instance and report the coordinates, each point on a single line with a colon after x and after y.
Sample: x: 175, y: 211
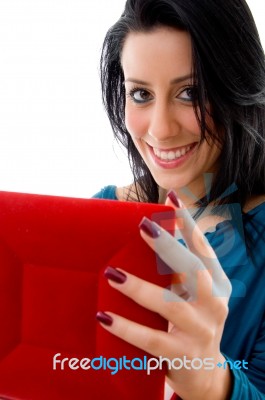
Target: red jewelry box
x: 53, y: 251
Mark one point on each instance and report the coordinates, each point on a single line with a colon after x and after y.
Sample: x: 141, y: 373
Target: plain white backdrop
x: 55, y: 136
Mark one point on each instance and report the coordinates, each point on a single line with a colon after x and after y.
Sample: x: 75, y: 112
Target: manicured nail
x: 104, y: 318
x: 115, y: 275
x: 149, y: 228
x: 173, y: 197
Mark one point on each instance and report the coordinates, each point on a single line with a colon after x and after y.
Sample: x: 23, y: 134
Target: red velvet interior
x: 53, y: 252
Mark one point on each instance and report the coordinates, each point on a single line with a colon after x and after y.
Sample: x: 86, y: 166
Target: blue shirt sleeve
x: 108, y: 193
x: 243, y: 389
x: 240, y: 248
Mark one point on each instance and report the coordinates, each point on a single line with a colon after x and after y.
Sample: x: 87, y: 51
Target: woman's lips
x: 172, y: 158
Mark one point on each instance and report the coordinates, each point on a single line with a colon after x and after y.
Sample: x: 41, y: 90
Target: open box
x: 53, y: 251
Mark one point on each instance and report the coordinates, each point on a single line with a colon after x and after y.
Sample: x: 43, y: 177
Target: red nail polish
x: 149, y: 228
x: 174, y: 198
x: 104, y: 318
x: 115, y: 275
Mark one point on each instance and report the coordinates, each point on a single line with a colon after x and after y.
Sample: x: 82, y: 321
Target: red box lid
x: 53, y: 251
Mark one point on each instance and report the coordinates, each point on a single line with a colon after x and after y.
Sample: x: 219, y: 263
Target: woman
x: 184, y: 86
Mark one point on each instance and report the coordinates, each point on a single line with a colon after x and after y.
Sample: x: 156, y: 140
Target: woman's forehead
x: 165, y: 49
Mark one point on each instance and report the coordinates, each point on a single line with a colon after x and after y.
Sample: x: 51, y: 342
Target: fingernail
x: 173, y: 197
x: 149, y: 228
x: 104, y: 318
x: 115, y: 275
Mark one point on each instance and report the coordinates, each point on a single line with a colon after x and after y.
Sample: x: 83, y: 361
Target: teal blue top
x: 240, y: 248
x: 108, y: 192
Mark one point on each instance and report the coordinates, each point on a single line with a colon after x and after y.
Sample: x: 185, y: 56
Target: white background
x: 55, y: 136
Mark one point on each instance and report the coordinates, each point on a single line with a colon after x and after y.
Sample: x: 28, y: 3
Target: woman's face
x: 159, y: 114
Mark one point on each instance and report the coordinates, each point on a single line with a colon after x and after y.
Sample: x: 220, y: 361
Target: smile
x: 172, y: 158
x: 172, y: 155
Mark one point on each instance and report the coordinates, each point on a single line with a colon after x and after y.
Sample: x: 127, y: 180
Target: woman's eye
x: 189, y: 94
x: 140, y: 95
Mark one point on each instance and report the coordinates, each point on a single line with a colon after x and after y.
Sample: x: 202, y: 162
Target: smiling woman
x: 159, y: 113
x: 215, y: 111
x: 51, y: 114
x: 183, y: 84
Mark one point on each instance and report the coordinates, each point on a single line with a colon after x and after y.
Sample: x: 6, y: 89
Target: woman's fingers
x: 154, y: 298
x: 199, y: 245
x: 191, y: 233
x: 198, y: 256
x: 150, y: 340
x: 176, y: 256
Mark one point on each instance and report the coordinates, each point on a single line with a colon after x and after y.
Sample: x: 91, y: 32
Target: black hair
x: 229, y: 69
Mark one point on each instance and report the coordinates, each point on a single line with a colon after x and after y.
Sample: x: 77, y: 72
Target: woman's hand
x: 196, y: 308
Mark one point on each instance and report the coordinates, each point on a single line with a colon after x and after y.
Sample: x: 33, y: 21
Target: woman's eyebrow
x: 173, y: 81
x: 181, y: 78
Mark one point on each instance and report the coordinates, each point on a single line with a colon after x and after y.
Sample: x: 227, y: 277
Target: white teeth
x: 171, y: 155
x: 156, y: 151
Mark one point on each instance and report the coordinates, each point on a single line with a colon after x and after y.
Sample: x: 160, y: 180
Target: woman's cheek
x: 136, y: 122
x: 190, y: 122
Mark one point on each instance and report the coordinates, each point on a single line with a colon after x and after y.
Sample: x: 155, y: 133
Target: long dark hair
x: 229, y: 68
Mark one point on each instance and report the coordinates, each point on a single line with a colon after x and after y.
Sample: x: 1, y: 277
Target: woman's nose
x: 163, y: 124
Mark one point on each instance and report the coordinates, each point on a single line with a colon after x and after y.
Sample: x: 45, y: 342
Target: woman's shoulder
x: 254, y: 217
x: 251, y: 219
x: 121, y: 193
x: 129, y: 193
x: 255, y: 204
x: 108, y: 192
